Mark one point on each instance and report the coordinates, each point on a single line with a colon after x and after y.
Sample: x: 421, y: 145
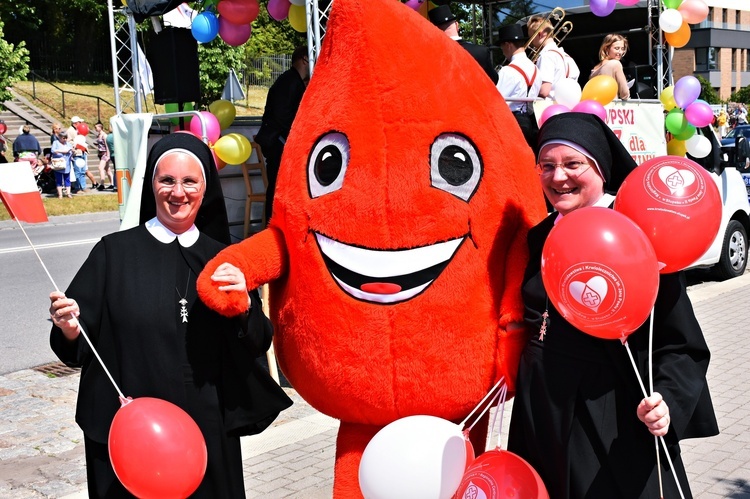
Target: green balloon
x: 686, y: 134
x: 173, y: 107
x: 675, y: 122
x: 672, y: 4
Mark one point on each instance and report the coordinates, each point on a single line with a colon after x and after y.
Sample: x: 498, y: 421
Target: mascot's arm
x: 513, y: 333
x: 261, y: 258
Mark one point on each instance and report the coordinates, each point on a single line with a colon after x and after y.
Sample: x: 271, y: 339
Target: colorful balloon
x: 278, y: 9
x: 205, y: 26
x: 677, y: 205
x: 567, y: 92
x: 551, y: 111
x: 213, y: 129
x: 224, y: 111
x: 676, y: 147
x: 156, y: 449
x: 693, y: 11
x: 667, y: 98
x: 679, y: 38
x: 688, y: 132
x: 670, y: 20
x: 414, y: 4
x: 503, y: 475
x: 605, y: 284
x: 234, y: 35
x: 672, y: 4
x: 675, y: 121
x: 415, y: 456
x: 699, y: 113
x: 233, y: 149
x: 3, y: 128
x: 82, y: 128
x: 173, y: 107
x: 698, y: 146
x: 238, y: 11
x: 297, y: 18
x: 602, y: 8
x: 591, y: 107
x: 602, y: 88
x: 686, y: 90
x: 628, y: 3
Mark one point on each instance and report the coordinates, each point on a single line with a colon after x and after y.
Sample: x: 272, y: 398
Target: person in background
x: 103, y: 153
x: 111, y: 149
x: 26, y: 147
x: 553, y: 63
x: 136, y: 299
x: 3, y: 143
x: 442, y: 17
x: 579, y: 416
x: 722, y: 120
x: 61, y: 150
x: 519, y: 79
x: 56, y: 130
x: 613, y: 49
x: 282, y: 103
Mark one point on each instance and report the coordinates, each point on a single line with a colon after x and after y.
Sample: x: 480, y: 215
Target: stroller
x: 43, y: 174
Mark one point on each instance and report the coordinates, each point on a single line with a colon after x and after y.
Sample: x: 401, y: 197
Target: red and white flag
x: 19, y: 193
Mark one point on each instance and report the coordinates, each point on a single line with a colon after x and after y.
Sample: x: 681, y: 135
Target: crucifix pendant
x: 183, y: 310
x: 543, y: 329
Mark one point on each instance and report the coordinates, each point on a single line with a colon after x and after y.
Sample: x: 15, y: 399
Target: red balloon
x: 156, y: 449
x: 238, y: 11
x: 677, y: 204
x: 500, y: 473
x: 3, y: 128
x: 600, y: 272
x: 82, y: 128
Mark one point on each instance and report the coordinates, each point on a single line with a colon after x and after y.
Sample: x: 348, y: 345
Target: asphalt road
x: 63, y: 245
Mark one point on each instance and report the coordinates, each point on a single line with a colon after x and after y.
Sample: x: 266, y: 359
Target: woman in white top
x: 611, y: 52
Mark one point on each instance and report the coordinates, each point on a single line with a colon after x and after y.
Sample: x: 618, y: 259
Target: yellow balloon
x: 667, y: 98
x: 602, y: 89
x: 298, y: 18
x: 224, y: 111
x: 676, y: 147
x: 233, y: 148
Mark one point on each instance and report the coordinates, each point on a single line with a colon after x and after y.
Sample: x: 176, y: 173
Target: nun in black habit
x: 579, y: 416
x: 135, y: 297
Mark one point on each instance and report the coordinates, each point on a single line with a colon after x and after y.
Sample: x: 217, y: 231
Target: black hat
x: 441, y: 14
x: 512, y: 33
x: 592, y: 134
x: 212, y: 214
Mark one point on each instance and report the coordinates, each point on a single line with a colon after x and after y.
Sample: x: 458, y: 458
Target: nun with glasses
x: 135, y: 297
x: 579, y: 416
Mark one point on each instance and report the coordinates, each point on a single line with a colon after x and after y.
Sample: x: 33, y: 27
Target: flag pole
x: 80, y: 329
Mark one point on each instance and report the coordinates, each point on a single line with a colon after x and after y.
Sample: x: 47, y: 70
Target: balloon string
x: 80, y: 329
x: 463, y: 423
x: 501, y: 409
x: 661, y: 439
x: 651, y: 391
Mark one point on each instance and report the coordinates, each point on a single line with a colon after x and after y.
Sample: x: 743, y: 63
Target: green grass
x: 81, y: 203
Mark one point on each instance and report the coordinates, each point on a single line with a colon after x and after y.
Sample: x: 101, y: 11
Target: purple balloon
x: 602, y: 8
x: 278, y: 9
x: 686, y: 90
x: 233, y: 34
x: 414, y: 4
x: 699, y: 114
x: 591, y: 107
x: 551, y: 111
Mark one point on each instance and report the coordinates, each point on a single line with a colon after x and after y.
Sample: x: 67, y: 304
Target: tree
x: 742, y: 95
x: 517, y: 10
x: 215, y: 60
x: 708, y: 93
x: 14, y: 65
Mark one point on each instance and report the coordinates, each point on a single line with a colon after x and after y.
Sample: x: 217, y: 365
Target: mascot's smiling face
x: 404, y: 195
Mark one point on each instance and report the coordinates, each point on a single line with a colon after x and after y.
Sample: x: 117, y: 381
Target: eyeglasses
x: 188, y: 184
x: 573, y: 168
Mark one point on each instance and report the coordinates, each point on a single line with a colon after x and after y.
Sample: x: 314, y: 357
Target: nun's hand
x: 64, y: 313
x: 233, y: 279
x: 654, y: 412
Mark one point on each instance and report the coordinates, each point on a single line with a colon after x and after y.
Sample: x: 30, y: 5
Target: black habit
x: 574, y: 415
x: 128, y: 291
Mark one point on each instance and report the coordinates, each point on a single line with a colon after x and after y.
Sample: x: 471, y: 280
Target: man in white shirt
x: 553, y: 63
x: 520, y: 79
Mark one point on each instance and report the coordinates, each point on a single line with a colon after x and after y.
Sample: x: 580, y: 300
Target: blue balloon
x: 205, y: 27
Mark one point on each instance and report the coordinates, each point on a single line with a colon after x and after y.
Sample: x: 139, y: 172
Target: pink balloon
x: 591, y: 107
x: 213, y: 130
x: 551, y: 111
x: 414, y: 4
x: 693, y: 11
x: 602, y: 8
x: 628, y: 3
x: 278, y: 9
x: 699, y: 114
x: 234, y: 34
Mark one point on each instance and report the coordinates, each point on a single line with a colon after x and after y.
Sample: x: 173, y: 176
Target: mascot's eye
x: 327, y: 164
x: 455, y: 166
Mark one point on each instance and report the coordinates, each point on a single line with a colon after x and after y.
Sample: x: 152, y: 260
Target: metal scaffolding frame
x: 123, y: 42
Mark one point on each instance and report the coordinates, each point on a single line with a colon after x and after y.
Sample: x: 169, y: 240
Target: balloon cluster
x: 291, y: 10
x: 676, y: 18
x: 229, y: 149
x: 232, y: 24
x: 685, y: 113
x: 597, y: 93
x: 667, y: 213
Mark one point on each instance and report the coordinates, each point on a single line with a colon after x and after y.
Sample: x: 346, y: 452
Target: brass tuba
x: 554, y: 22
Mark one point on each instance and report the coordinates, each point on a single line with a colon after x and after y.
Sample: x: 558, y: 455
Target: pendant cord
x: 187, y: 287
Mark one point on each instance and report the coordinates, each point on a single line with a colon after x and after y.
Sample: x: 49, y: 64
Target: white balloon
x: 670, y: 20
x: 416, y: 457
x: 297, y: 2
x: 567, y: 92
x: 698, y: 146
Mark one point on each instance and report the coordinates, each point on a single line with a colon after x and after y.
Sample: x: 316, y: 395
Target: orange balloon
x: 679, y: 38
x: 600, y: 88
